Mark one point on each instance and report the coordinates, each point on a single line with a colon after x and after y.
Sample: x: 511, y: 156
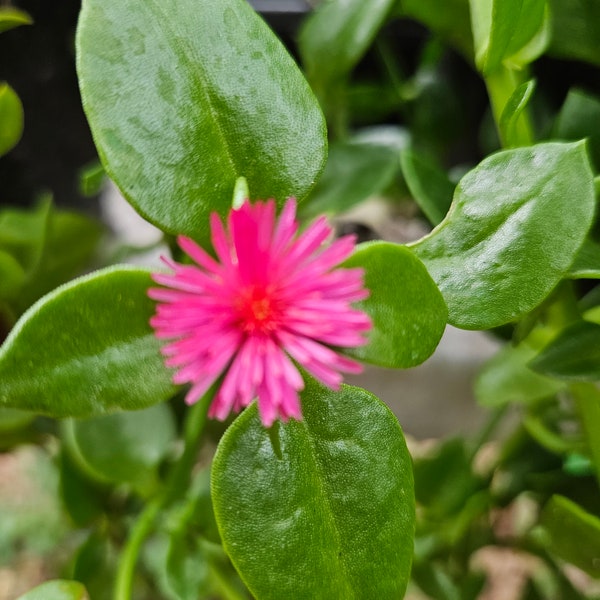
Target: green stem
x: 176, y: 482
x: 500, y: 85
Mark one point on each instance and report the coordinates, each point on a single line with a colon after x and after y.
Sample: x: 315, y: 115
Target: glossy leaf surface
x: 86, y: 349
x: 572, y: 534
x: 514, y: 228
x: 59, y: 589
x: 11, y: 118
x: 184, y: 97
x: 331, y: 495
x: 573, y: 355
x: 406, y: 308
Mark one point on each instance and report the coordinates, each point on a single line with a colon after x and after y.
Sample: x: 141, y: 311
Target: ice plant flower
x: 271, y: 299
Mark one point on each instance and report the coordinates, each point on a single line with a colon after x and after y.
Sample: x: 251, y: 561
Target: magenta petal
x: 272, y: 297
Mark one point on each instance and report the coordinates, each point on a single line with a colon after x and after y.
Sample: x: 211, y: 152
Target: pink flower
x: 270, y: 299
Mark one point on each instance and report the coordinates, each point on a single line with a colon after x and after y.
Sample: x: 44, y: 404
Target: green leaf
x: 13, y: 17
x: 503, y: 27
x: 514, y: 228
x: 587, y: 262
x: 506, y: 378
x: 59, y: 589
x: 576, y: 29
x: 428, y: 185
x: 355, y: 170
x: 573, y: 355
x: 335, y: 37
x: 406, y: 308
x: 182, y: 100
x: 322, y: 508
x: 126, y: 447
x: 86, y: 349
x: 517, y: 102
x: 579, y: 118
x: 572, y: 534
x: 587, y: 397
x: 11, y: 117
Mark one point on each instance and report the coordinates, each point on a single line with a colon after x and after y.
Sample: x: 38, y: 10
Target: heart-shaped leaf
x: 322, y: 508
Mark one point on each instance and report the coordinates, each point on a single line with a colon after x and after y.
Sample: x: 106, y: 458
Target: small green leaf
x: 13, y: 17
x: 587, y: 397
x: 406, y: 308
x: 354, y: 171
x: 184, y: 99
x: 506, y: 378
x: 429, y: 185
x: 572, y: 534
x: 510, y: 115
x: 91, y: 179
x: 11, y: 117
x: 335, y: 37
x: 330, y: 513
x: 503, y: 27
x: 59, y: 589
x: 516, y: 223
x: 86, y: 349
x: 573, y: 355
x: 126, y: 447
